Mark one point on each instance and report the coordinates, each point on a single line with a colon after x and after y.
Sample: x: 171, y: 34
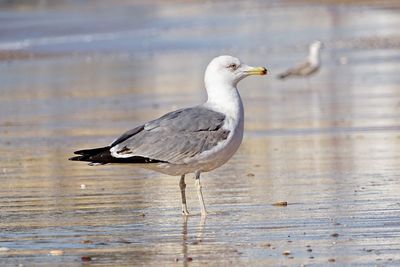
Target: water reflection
x: 187, y: 241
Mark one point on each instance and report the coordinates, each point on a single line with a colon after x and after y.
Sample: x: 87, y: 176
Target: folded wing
x: 173, y: 138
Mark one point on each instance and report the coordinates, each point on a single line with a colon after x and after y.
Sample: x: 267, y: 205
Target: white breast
x: 232, y: 108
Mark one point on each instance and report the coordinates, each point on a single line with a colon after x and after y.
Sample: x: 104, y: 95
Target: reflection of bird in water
x: 185, y: 237
x: 197, y: 139
x: 311, y: 66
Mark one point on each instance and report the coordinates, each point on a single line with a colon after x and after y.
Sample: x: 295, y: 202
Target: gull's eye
x: 232, y: 66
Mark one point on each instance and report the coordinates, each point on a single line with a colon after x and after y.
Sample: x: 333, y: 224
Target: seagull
x: 190, y: 140
x: 309, y: 67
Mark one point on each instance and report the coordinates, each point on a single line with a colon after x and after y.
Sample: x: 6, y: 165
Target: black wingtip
x: 87, y: 154
x: 282, y: 76
x: 78, y: 158
x: 91, y: 151
x: 103, y: 155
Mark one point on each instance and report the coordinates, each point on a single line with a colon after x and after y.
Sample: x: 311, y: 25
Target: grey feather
x: 304, y: 69
x: 126, y: 135
x: 174, y: 137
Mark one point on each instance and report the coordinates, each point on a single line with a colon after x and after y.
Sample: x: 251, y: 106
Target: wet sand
x: 329, y: 146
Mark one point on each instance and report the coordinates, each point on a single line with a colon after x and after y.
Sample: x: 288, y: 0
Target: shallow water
x: 76, y: 75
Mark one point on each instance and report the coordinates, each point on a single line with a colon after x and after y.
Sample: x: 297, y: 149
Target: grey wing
x: 306, y: 69
x: 303, y: 69
x: 127, y: 135
x: 175, y: 137
x: 299, y: 69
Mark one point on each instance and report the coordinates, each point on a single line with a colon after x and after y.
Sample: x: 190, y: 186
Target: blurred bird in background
x: 307, y: 68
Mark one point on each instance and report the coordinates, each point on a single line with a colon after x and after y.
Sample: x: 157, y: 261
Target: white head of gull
x: 221, y: 78
x: 314, y: 53
x: 190, y: 140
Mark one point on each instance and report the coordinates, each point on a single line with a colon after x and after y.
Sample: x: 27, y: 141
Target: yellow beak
x: 257, y: 71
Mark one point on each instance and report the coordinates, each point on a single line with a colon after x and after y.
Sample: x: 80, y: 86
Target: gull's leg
x: 182, y: 186
x: 200, y: 194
